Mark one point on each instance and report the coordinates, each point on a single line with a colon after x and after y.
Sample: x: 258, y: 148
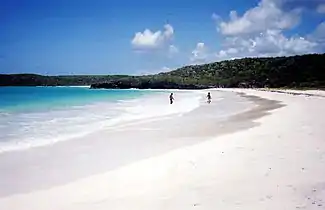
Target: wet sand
x: 271, y: 157
x: 63, y: 162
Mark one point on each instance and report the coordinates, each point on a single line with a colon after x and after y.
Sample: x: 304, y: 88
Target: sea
x: 40, y: 116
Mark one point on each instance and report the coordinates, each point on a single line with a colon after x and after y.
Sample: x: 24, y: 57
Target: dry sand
x: 277, y: 163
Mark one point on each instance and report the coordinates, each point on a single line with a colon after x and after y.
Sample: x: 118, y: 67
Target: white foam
x: 26, y: 130
x: 279, y: 164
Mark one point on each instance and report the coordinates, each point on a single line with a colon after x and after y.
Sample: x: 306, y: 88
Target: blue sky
x: 142, y: 37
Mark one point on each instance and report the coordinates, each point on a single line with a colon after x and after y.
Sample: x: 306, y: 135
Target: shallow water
x: 142, y: 127
x: 36, y: 116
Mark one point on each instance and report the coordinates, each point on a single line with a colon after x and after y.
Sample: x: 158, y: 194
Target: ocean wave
x: 20, y: 131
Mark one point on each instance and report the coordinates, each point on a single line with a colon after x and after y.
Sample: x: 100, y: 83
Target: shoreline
x: 277, y: 164
x: 79, y: 158
x: 308, y: 92
x: 89, y: 116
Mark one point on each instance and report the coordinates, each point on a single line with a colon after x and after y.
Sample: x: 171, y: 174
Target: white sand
x: 307, y: 92
x: 277, y: 165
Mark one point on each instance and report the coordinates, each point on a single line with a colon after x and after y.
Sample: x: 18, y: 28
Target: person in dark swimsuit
x: 209, y: 97
x: 171, y: 98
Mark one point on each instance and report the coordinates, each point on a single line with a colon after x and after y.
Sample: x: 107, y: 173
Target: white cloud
x: 275, y: 43
x: 271, y: 43
x: 265, y: 16
x: 169, y: 31
x: 200, y: 53
x: 147, y: 39
x: 259, y: 32
x: 154, y: 71
x: 321, y: 8
x: 319, y: 32
x: 165, y: 69
x: 232, y: 51
x: 152, y: 40
x: 319, y: 35
x: 227, y: 54
x: 172, y: 50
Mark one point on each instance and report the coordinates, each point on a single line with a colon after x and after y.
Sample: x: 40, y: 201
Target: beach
x: 269, y: 153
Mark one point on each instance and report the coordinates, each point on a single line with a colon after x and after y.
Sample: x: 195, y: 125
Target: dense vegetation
x: 293, y: 72
x: 39, y: 80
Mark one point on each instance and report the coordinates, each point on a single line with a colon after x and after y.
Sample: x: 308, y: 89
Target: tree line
x: 301, y: 71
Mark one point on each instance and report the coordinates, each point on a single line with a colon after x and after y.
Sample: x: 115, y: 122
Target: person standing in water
x: 171, y: 98
x: 209, y: 97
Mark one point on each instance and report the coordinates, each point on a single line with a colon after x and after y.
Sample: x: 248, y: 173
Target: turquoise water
x: 40, y: 116
x: 24, y: 99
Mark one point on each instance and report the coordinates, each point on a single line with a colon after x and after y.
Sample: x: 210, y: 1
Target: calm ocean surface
x: 24, y: 99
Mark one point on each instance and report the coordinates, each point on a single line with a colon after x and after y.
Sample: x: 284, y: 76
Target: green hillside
x: 293, y: 72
